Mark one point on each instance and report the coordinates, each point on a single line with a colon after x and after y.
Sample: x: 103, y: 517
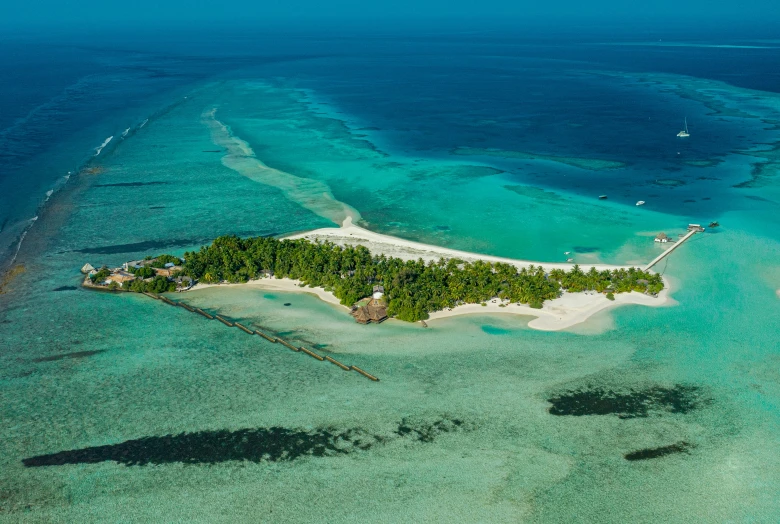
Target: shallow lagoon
x: 96, y: 370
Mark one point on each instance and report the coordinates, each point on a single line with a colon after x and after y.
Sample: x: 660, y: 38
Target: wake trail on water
x: 314, y: 195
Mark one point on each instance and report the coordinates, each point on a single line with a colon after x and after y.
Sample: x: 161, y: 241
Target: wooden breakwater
x: 312, y: 354
x: 365, y: 373
x: 226, y: 322
x: 339, y: 364
x: 244, y: 328
x: 269, y: 338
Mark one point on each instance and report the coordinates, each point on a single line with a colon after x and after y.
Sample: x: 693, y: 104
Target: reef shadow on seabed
x: 651, y: 453
x: 274, y: 444
x: 628, y: 402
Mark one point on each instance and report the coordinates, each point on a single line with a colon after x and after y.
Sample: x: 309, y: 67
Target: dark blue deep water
x: 428, y: 90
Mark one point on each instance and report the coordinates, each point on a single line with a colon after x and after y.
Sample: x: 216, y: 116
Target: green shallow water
x: 83, y: 369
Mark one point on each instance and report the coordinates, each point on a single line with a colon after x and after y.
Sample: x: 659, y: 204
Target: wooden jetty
x: 692, y: 231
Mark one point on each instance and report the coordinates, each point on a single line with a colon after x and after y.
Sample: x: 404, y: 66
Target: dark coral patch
x: 651, y: 453
x: 65, y: 288
x: 275, y: 444
x: 75, y: 354
x: 629, y: 403
x: 427, y: 432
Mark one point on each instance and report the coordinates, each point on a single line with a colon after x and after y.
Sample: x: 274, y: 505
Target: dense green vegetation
x: 413, y: 288
x: 156, y: 285
x: 100, y: 275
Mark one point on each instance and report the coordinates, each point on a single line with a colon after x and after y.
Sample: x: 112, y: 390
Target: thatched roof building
x: 375, y: 311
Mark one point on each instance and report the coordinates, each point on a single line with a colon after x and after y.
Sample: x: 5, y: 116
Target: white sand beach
x: 389, y: 246
x: 566, y: 311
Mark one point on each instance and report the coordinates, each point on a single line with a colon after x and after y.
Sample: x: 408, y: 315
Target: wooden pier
x: 689, y: 234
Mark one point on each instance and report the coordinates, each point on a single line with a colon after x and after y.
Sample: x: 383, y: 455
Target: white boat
x: 684, y: 133
x: 567, y: 252
x: 640, y: 203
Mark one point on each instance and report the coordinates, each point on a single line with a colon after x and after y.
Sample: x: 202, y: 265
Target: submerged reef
x: 75, y: 354
x: 274, y: 444
x: 651, y: 453
x: 630, y: 403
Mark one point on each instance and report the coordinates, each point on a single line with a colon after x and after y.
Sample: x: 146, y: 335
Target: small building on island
x: 661, y: 237
x: 120, y: 277
x: 87, y: 268
x: 371, y: 310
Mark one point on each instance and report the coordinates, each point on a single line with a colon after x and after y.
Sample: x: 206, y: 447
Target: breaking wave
x: 104, y: 144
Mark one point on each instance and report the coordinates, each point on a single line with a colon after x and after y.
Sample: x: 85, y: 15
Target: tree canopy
x: 413, y: 288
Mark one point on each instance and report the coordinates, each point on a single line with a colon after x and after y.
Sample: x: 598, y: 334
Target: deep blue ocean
x: 429, y: 90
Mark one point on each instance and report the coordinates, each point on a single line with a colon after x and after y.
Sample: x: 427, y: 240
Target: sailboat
x: 684, y: 133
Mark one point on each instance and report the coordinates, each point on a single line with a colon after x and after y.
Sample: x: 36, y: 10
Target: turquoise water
x: 85, y: 370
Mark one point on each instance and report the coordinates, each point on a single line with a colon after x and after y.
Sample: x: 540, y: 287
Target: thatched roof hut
x: 661, y: 237
x: 375, y: 311
x: 87, y: 268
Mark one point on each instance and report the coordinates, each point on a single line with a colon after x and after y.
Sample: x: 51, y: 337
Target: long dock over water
x: 269, y: 338
x: 692, y: 231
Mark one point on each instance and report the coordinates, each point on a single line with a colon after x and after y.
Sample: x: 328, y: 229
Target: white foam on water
x: 143, y: 123
x: 21, y: 239
x: 124, y: 134
x: 104, y: 144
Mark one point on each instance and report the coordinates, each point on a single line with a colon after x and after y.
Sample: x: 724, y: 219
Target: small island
x: 374, y: 285
x: 160, y: 274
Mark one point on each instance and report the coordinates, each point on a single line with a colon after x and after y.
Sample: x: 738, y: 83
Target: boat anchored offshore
x: 640, y: 203
x: 684, y: 133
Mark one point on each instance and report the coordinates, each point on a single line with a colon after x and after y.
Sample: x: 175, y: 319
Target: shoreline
x: 389, y: 246
x: 561, y: 313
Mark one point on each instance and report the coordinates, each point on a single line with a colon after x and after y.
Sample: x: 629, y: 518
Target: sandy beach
x: 566, y: 311
x: 389, y: 246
